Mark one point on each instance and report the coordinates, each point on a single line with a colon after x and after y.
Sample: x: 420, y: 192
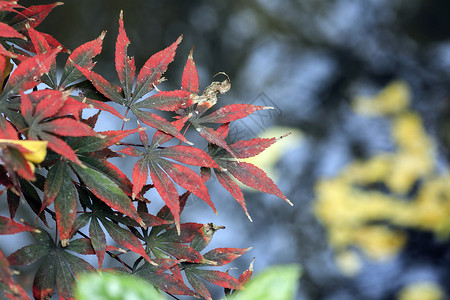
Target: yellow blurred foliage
x: 392, y: 99
x: 357, y: 213
x: 421, y: 291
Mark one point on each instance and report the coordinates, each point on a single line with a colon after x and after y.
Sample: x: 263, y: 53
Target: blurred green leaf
x: 278, y: 282
x: 105, y: 286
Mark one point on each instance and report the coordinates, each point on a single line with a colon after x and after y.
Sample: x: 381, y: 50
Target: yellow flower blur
x: 415, y: 194
x: 421, y: 291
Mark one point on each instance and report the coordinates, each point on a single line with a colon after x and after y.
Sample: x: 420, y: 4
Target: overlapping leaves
x: 87, y: 195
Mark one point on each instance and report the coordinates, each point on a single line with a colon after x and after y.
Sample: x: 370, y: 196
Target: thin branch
x: 112, y: 255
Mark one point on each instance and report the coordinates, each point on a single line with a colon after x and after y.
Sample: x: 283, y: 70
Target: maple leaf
x: 32, y: 16
x: 159, y: 163
x: 81, y: 56
x: 105, y: 180
x: 148, y: 77
x: 58, y: 266
x: 9, y: 32
x: 125, y: 238
x: 26, y: 74
x: 246, y: 173
x: 43, y: 125
x: 208, y: 99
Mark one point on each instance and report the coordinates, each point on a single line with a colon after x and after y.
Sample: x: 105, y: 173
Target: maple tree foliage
x: 53, y: 160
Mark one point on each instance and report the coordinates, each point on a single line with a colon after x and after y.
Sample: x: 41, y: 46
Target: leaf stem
x: 112, y: 255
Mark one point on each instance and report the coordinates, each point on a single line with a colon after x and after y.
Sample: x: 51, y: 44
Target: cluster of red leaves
x: 76, y: 173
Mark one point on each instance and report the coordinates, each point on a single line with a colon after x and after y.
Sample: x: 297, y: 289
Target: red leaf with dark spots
x: 140, y: 175
x: 108, y: 191
x: 188, y: 155
x: 151, y: 220
x: 9, y: 226
x: 233, y: 188
x: 109, y: 90
x: 152, y: 70
x: 48, y: 105
x: 67, y: 127
x: 198, y: 285
x: 165, y: 214
x: 59, y: 146
x: 187, y: 179
x: 53, y: 43
x: 182, y: 251
x: 98, y: 240
x: 81, y: 56
x: 7, y: 131
x: 166, y: 282
x: 53, y: 183
x: 39, y: 42
x: 11, y: 289
x: 9, y: 32
x: 189, y: 80
x: 253, y: 147
x: 159, y: 123
x: 72, y: 107
x: 66, y: 208
x: 131, y: 151
x: 213, y: 137
x: 126, y: 239
x: 166, y: 190
x: 187, y: 233
x: 32, y: 16
x: 9, y: 6
x: 125, y: 66
x: 223, y: 256
x: 26, y: 107
x: 223, y: 130
x: 45, y: 280
x: 204, y: 236
x: 254, y: 177
x: 160, y: 137
x: 27, y: 74
x: 168, y: 101
x: 231, y: 112
x: 109, y: 138
x: 219, y: 278
x: 104, y: 106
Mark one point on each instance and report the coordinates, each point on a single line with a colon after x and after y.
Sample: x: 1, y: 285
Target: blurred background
x: 364, y: 88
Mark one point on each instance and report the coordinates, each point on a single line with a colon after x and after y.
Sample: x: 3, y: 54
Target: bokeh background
x: 364, y: 88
